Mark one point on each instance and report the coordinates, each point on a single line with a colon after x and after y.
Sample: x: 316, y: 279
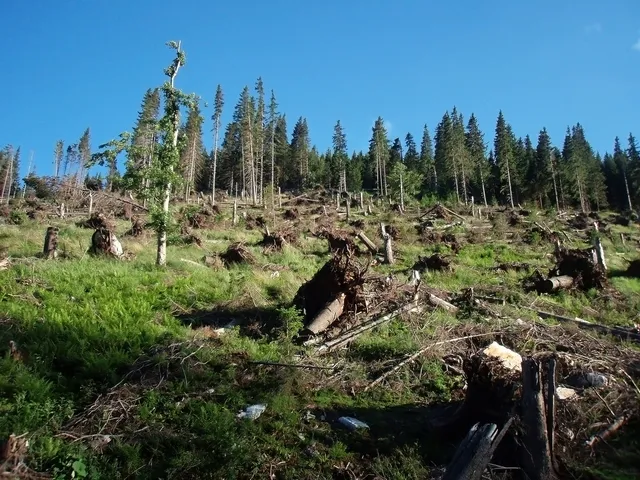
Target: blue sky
x: 72, y: 64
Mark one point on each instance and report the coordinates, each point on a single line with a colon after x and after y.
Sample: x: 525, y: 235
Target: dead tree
x: 50, y: 249
x: 388, y: 249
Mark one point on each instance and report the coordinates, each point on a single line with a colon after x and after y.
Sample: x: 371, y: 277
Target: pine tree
x: 191, y: 155
x: 260, y: 138
x: 354, y: 169
x: 282, y: 150
x: 317, y: 168
x: 395, y: 153
x: 476, y: 148
x: 427, y: 163
x: 340, y: 157
x: 71, y: 158
x: 460, y: 156
x: 379, y: 156
x: 272, y: 122
x: 217, y: 117
x: 58, y: 157
x: 300, y: 148
x: 145, y: 137
x: 622, y: 163
x: 15, y: 174
x: 528, y: 175
x: 543, y: 168
x: 504, y: 155
x: 634, y: 167
x: 411, y: 157
x: 6, y: 163
x: 444, y: 155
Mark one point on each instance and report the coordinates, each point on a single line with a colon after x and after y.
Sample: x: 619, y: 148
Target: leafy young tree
x: 164, y: 173
x: 411, y: 181
x: 109, y: 156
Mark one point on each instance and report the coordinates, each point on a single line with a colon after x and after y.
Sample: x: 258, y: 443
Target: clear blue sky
x: 72, y: 64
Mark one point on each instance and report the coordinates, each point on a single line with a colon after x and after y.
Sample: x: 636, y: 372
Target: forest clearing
x: 123, y: 370
x: 266, y: 311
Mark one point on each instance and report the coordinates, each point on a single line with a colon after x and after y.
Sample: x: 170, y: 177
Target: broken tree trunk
x: 327, y: 315
x: 235, y: 212
x: 362, y: 202
x: 90, y: 203
x: 475, y: 452
x: 439, y: 302
x: 536, y: 452
x: 50, y: 249
x: 348, y: 207
x: 388, y: 248
x: 370, y: 245
x: 554, y: 284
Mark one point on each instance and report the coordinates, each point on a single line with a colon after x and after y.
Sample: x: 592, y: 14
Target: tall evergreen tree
x: 476, y: 148
x: 395, y: 152
x: 411, y: 157
x: 217, y: 116
x: 504, y: 156
x: 282, y: 150
x: 379, y: 156
x: 622, y: 164
x: 145, y: 137
x: 460, y: 156
x: 260, y: 138
x: 300, y: 149
x: 427, y: 163
x: 272, y: 122
x: 542, y: 173
x: 340, y: 157
x: 191, y: 155
x: 444, y: 155
x: 634, y: 167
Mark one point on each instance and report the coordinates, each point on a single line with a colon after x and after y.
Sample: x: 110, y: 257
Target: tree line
x: 253, y: 155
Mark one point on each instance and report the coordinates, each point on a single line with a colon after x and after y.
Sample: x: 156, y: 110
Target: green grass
x: 84, y: 321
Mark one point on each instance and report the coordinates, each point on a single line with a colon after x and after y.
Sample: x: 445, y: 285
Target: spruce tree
x: 622, y: 164
x: 504, y: 156
x: 427, y: 163
x: 217, y: 117
x: 84, y: 155
x: 634, y: 167
x: 191, y: 155
x: 272, y: 123
x: 379, y: 156
x: 460, y: 156
x: 444, y: 152
x: 300, y: 148
x: 411, y: 157
x: 476, y: 148
x: 340, y: 157
x: 282, y: 150
x: 543, y: 174
x: 145, y: 136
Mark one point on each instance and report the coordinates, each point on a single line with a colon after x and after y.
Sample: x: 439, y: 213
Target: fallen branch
x: 615, y: 331
x: 411, y: 358
x: 610, y: 430
x: 292, y: 365
x: 370, y: 245
x: 439, y: 302
x: 353, y: 333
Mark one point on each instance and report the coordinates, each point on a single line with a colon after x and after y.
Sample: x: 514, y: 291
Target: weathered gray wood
x: 370, y: 245
x: 536, y: 454
x: 327, y: 315
x: 554, y: 284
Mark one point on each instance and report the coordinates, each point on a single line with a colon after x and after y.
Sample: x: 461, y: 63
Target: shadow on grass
x: 253, y: 322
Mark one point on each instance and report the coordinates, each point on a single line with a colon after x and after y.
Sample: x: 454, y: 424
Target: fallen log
x: 439, y: 302
x: 554, y: 284
x: 370, y: 245
x: 329, y: 314
x: 619, y: 332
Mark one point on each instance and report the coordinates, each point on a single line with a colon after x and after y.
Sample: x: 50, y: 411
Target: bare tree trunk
x: 401, y: 193
x: 510, y: 189
x: 555, y: 186
x: 273, y: 169
x: 455, y: 175
x: 215, y: 161
x: 484, y: 193
x: 464, y: 185
x: 626, y: 186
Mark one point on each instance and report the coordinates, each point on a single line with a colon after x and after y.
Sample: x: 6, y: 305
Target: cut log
x: 554, y: 284
x: 439, y: 302
x: 235, y: 212
x: 327, y: 315
x: 370, y: 245
x: 536, y: 453
x: 610, y: 430
x: 362, y: 202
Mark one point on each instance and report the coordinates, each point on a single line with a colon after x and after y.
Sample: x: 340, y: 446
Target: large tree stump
x: 50, y: 249
x: 104, y: 242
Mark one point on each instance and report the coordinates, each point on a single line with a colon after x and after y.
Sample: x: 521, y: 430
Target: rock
x: 564, y: 393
